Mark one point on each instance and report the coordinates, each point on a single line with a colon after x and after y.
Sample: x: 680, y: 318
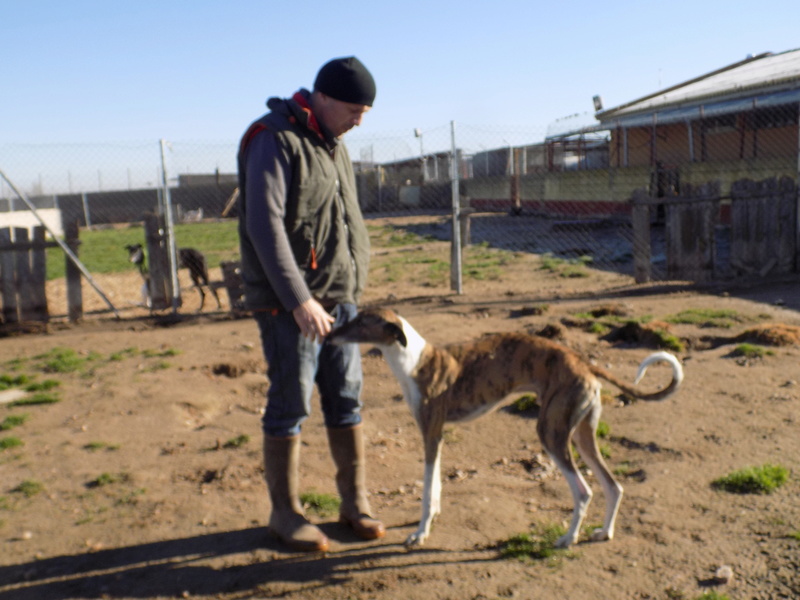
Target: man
x: 305, y: 255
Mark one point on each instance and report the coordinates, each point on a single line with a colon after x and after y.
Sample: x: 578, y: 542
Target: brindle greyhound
x: 188, y: 258
x: 465, y: 381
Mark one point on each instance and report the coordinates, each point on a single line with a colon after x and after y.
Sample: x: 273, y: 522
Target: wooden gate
x: 764, y: 227
x: 690, y: 222
x: 23, y: 274
x: 690, y: 232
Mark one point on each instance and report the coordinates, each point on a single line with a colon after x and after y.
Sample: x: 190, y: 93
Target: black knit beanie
x: 347, y: 80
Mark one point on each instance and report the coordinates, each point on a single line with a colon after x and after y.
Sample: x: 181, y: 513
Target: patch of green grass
x: 103, y: 250
x: 603, y: 429
x: 42, y: 386
x: 237, y: 442
x: 7, y: 443
x: 484, y: 263
x: 536, y: 545
x: 751, y: 351
x: 13, y: 381
x: 29, y: 488
x: 569, y: 268
x: 12, y: 421
x: 323, y: 505
x: 130, y: 498
x: 123, y: 354
x: 161, y: 365
x: 163, y: 353
x: 599, y: 328
x: 389, y: 236
x: 105, y: 479
x: 623, y: 468
x: 753, y: 480
x: 96, y: 446
x: 525, y: 403
x: 795, y: 535
x: 36, y: 399
x: 707, y: 317
x: 64, y: 360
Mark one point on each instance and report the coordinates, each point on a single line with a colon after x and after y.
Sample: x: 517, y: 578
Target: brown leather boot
x: 287, y: 522
x: 347, y: 449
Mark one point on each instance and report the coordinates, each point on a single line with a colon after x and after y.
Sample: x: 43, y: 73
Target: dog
x: 188, y: 258
x: 464, y: 381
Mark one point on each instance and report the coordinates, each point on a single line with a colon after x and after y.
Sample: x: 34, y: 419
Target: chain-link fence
x: 566, y: 190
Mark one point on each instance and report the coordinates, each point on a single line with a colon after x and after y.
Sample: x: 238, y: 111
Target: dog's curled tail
x: 677, y: 377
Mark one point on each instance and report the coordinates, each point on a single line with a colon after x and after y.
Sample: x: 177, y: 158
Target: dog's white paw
x: 601, y: 535
x: 416, y: 539
x: 565, y: 541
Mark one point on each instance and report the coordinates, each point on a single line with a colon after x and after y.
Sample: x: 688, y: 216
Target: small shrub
x: 753, y: 480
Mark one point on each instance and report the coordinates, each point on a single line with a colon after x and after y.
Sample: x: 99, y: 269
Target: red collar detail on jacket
x: 312, y: 120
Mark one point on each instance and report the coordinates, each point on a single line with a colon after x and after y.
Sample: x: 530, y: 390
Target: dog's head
x: 135, y: 253
x: 382, y: 327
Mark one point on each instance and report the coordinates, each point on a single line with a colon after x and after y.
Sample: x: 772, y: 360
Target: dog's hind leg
x: 554, y: 431
x: 431, y: 491
x: 585, y: 438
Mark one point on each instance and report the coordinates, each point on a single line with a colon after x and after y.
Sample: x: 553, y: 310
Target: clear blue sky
x: 93, y: 71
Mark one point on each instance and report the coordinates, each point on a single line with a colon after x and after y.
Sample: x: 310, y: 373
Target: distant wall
x: 25, y: 218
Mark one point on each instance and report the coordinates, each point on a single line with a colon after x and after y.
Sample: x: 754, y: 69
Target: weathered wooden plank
x: 22, y: 265
x: 38, y: 308
x: 158, y: 262
x: 73, y: 274
x: 8, y: 285
x: 642, y: 247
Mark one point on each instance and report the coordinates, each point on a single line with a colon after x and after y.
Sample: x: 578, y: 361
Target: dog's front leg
x: 431, y: 491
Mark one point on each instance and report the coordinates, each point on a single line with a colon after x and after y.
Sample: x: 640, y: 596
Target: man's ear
x: 397, y: 333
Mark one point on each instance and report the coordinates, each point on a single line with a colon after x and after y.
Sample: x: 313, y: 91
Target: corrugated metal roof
x: 750, y: 77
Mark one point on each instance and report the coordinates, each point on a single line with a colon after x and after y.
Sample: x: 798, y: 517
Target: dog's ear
x: 397, y: 333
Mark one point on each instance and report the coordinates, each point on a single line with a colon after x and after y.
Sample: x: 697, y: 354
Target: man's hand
x: 314, y: 321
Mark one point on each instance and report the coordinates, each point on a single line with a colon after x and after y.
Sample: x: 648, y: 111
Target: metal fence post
x: 455, y: 250
x: 175, y: 292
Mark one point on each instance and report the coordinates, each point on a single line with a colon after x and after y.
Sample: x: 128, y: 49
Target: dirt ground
x: 151, y: 480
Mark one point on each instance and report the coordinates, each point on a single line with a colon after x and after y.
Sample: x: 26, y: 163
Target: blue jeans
x: 295, y: 364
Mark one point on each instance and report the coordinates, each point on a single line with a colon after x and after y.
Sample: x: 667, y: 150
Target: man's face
x: 337, y: 116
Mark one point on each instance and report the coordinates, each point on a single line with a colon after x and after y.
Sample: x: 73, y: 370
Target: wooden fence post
x: 158, y: 259
x: 73, y: 273
x: 38, y: 262
x: 22, y: 267
x: 8, y: 284
x: 640, y: 216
